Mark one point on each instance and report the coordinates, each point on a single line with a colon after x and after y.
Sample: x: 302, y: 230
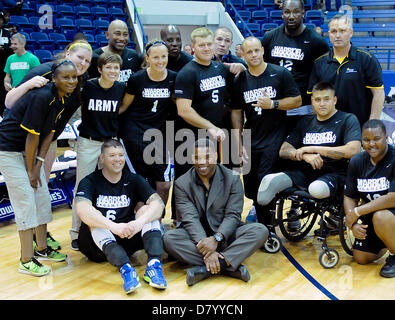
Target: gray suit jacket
x: 224, y: 204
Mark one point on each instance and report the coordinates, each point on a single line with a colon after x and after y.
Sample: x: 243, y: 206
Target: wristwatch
x: 275, y: 104
x: 218, y: 237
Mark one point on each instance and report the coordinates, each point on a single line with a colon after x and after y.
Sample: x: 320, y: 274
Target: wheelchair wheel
x: 346, y: 236
x: 307, y: 217
x: 329, y: 259
x: 273, y: 244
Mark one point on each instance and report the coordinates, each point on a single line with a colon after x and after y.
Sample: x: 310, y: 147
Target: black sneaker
x: 293, y: 226
x: 388, y: 270
x: 241, y: 273
x: 196, y: 274
x: 75, y: 245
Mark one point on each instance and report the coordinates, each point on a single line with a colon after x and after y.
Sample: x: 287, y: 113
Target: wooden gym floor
x: 273, y: 276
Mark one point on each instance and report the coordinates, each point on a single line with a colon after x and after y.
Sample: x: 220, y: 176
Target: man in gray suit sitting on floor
x: 212, y: 238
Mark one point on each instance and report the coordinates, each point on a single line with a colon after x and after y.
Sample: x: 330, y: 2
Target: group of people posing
x: 301, y: 104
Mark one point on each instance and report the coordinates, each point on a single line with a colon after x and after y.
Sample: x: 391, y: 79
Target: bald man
x: 118, y: 38
x: 177, y: 58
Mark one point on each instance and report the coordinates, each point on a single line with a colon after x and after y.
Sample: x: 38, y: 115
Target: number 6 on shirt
x: 110, y: 215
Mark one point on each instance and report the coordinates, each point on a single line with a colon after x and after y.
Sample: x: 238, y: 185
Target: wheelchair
x: 332, y: 220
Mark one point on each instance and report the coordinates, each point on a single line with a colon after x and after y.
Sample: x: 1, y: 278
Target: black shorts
x: 372, y: 243
x: 158, y: 170
x: 263, y: 162
x: 89, y: 248
x: 302, y: 180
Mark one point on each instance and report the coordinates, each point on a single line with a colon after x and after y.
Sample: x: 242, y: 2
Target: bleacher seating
x: 370, y: 28
x: 315, y: 16
x: 43, y: 55
x: 372, y: 3
x: 366, y: 14
x: 260, y: 16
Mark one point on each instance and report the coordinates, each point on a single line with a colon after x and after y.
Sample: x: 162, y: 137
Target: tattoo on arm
x: 156, y: 197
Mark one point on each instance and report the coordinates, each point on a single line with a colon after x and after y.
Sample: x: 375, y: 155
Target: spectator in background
x: 188, y: 49
x: 318, y: 29
x: 328, y: 5
x: 5, y: 52
x: 278, y: 3
x: 18, y: 64
x: 79, y: 36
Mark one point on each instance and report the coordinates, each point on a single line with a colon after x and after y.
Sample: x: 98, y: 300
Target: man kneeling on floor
x: 212, y: 237
x: 111, y: 231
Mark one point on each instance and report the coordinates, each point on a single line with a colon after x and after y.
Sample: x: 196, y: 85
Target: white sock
x: 152, y: 261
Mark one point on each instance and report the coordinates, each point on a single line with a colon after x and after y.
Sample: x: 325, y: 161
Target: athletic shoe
x: 154, y: 276
x: 75, y: 245
x: 388, y: 270
x: 49, y: 254
x: 34, y: 268
x: 251, y: 217
x: 130, y: 278
x: 51, y: 242
x: 54, y: 244
x: 196, y: 274
x: 241, y: 273
x: 293, y: 226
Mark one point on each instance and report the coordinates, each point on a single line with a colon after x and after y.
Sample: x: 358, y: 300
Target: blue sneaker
x: 154, y: 276
x: 251, y: 217
x: 130, y: 278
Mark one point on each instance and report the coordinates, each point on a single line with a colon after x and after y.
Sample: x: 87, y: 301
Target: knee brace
x: 319, y: 189
x: 153, y: 244
x: 116, y: 255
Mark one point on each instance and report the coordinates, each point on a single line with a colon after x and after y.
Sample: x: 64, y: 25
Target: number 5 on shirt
x: 214, y: 96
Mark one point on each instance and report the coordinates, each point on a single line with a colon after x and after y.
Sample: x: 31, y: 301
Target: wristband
x: 40, y: 159
x: 356, y: 211
x: 271, y: 104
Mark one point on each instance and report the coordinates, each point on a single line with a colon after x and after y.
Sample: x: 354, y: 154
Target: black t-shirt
x: 278, y: 84
x: 36, y: 112
x: 176, y: 64
x: 367, y: 181
x: 353, y: 78
x: 99, y: 111
x: 297, y: 54
x: 151, y: 105
x: 336, y: 131
x: 115, y: 201
x: 131, y: 62
x: 72, y: 102
x: 206, y: 86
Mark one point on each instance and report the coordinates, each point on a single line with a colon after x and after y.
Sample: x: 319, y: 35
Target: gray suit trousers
x: 245, y: 241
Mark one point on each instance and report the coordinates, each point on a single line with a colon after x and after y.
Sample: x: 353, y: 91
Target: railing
x: 227, y: 4
x: 384, y: 55
x: 136, y: 17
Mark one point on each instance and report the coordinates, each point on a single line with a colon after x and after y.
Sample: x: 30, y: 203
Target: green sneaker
x: 49, y: 254
x: 54, y: 244
x: 34, y: 268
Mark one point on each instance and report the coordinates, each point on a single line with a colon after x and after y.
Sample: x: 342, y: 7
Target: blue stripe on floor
x: 307, y: 275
